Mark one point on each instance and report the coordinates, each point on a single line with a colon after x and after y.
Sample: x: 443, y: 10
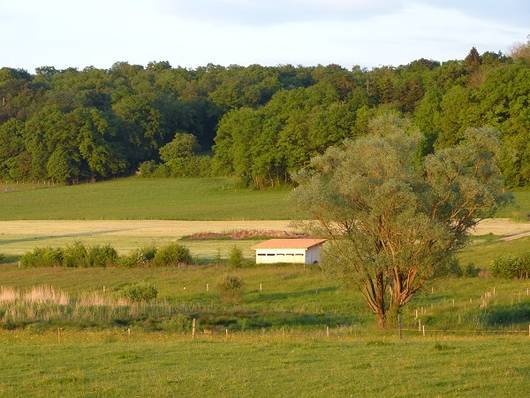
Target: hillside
x: 146, y: 198
x: 137, y: 198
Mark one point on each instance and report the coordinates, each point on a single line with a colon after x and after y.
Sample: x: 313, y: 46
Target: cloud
x: 255, y: 12
x: 67, y: 33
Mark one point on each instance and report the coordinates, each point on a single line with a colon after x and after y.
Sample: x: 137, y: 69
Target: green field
x: 166, y: 199
x: 145, y: 198
x: 114, y: 365
x: 277, y: 343
x: 293, y: 295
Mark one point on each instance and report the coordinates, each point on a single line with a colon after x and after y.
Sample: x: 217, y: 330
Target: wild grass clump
x: 172, y: 254
x: 230, y: 289
x: 3, y: 258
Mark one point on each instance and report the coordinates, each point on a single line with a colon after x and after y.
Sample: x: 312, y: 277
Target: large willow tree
x: 393, y: 217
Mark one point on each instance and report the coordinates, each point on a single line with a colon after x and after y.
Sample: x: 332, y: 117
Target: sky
x: 190, y: 33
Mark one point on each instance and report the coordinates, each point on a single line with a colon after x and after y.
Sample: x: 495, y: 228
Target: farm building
x: 303, y: 251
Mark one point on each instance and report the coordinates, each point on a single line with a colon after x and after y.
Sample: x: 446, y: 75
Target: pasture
x: 136, y: 198
x: 114, y: 365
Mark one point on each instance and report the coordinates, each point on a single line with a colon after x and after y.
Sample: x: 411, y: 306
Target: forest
x: 257, y: 123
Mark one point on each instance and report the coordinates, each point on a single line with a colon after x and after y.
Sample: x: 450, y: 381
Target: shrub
x: 141, y: 292
x: 449, y: 267
x: 235, y: 259
x: 76, y: 255
x: 140, y: 257
x: 147, y: 169
x: 230, y: 289
x: 102, y: 256
x: 2, y: 258
x: 172, y: 254
x: 471, y: 271
x: 43, y: 257
x: 511, y: 266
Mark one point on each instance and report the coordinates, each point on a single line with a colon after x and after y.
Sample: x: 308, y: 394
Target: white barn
x: 303, y: 251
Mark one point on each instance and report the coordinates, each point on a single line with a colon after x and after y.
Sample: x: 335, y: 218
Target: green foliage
x: 230, y: 288
x: 171, y: 255
x: 471, y: 271
x: 102, y: 256
x: 391, y: 221
x: 43, y: 257
x: 509, y: 266
x: 235, y: 258
x: 140, y: 292
x: 266, y: 122
x: 76, y: 255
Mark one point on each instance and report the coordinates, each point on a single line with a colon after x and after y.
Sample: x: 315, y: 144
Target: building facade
x: 301, y: 251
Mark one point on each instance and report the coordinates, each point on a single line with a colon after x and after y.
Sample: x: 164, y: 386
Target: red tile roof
x: 288, y: 244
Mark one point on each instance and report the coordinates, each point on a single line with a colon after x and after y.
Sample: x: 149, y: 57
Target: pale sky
x: 189, y: 33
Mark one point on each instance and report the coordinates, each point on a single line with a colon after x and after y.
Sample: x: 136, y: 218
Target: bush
x: 76, y: 255
x: 449, y: 267
x: 147, y: 169
x: 138, y: 258
x: 42, y: 257
x: 511, y: 266
x: 230, y: 289
x: 471, y: 271
x: 172, y: 254
x: 102, y: 256
x: 142, y: 292
x: 235, y: 259
x: 2, y: 258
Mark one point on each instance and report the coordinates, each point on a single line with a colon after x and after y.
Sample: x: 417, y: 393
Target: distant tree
x: 472, y: 60
x: 392, y: 221
x: 62, y: 166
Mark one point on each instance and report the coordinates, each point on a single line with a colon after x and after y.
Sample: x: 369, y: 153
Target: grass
x: 137, y: 198
x: 277, y: 343
x: 114, y: 365
x: 146, y: 198
x: 483, y: 250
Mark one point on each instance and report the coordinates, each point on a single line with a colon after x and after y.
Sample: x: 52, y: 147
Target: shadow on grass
x: 47, y: 237
x: 249, y: 320
x: 281, y: 296
x: 506, y: 315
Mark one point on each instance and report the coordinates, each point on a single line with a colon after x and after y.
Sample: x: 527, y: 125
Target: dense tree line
x: 259, y: 123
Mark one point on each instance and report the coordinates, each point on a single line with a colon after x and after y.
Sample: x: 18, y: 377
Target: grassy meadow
x: 137, y: 198
x: 145, y: 198
x: 87, y: 340
x: 161, y: 365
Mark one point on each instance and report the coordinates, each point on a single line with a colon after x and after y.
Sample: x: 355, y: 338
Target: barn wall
x: 272, y: 256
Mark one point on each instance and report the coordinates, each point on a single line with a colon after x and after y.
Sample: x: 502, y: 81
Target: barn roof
x: 288, y: 244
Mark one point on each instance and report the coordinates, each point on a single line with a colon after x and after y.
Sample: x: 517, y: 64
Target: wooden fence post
x: 260, y: 287
x: 327, y: 331
x: 193, y: 324
x: 423, y: 330
x: 400, y: 326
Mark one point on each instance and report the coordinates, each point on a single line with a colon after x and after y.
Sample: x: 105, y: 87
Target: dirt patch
x: 501, y: 227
